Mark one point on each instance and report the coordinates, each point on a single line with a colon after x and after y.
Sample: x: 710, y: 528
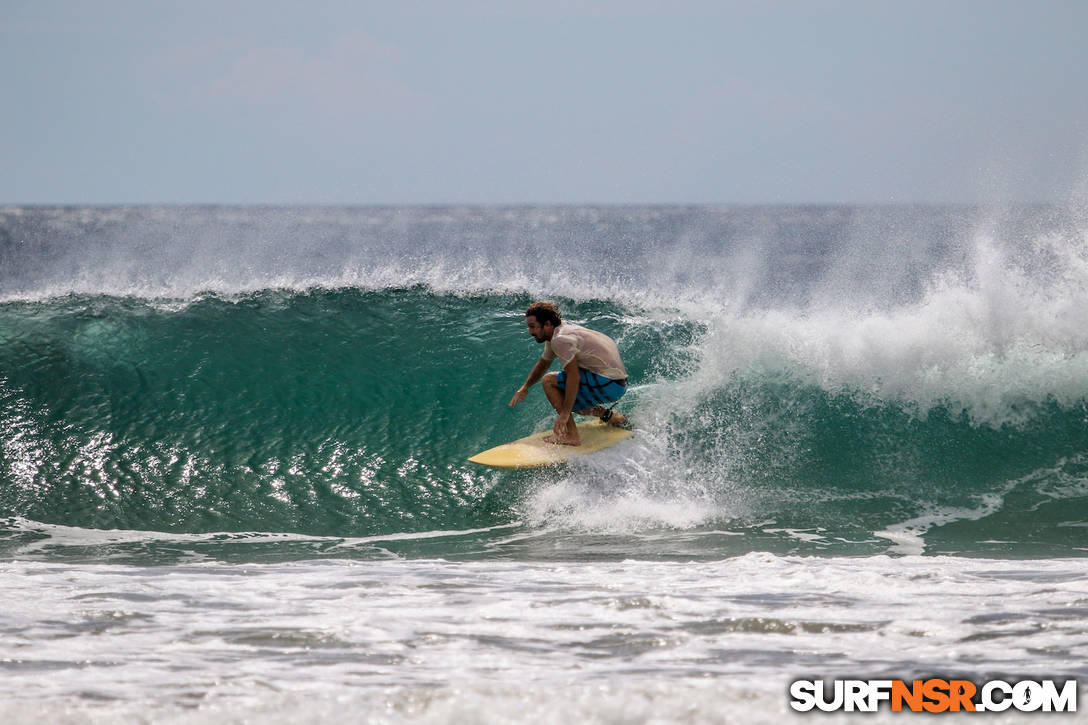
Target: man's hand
x: 519, y: 396
x: 560, y: 427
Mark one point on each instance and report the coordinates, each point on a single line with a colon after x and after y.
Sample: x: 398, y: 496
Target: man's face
x: 540, y: 333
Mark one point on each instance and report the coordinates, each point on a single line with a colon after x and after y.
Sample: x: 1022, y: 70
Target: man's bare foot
x: 607, y: 415
x: 552, y: 438
x: 618, y: 419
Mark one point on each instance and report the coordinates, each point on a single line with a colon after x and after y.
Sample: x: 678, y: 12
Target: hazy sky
x: 541, y: 101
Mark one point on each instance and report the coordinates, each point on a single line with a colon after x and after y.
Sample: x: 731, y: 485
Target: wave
x: 328, y: 390
x: 350, y: 413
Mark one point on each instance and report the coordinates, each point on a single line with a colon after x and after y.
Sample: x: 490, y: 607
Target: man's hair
x: 544, y: 312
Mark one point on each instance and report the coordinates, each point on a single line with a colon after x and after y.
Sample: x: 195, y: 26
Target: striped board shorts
x: 593, y: 389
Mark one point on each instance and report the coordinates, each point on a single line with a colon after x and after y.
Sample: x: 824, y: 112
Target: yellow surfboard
x: 533, y: 452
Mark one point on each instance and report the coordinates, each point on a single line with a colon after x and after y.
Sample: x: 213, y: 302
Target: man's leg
x: 555, y: 396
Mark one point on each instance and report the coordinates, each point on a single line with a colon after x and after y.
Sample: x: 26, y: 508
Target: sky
x: 542, y: 102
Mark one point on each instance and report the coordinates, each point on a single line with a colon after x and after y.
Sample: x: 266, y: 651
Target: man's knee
x: 550, y: 380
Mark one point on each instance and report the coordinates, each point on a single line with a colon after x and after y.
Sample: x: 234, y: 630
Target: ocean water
x: 233, y: 483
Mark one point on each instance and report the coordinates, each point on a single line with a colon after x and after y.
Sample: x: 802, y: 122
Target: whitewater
x: 233, y: 481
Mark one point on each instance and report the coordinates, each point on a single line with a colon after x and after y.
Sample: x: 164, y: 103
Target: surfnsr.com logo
x: 934, y: 695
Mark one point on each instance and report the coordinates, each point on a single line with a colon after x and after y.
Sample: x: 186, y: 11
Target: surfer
x: 592, y: 376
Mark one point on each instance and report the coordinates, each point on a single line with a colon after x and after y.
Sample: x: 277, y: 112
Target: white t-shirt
x: 595, y: 351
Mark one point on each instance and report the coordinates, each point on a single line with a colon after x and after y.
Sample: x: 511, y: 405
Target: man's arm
x: 535, y: 375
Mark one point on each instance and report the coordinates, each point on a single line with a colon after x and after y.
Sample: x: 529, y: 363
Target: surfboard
x: 533, y: 452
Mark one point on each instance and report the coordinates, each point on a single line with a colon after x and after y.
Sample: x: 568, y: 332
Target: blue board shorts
x: 593, y: 389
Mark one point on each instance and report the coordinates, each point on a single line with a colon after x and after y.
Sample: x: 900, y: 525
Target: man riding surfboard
x: 593, y: 375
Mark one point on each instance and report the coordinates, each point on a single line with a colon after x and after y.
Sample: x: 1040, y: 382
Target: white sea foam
x: 494, y: 641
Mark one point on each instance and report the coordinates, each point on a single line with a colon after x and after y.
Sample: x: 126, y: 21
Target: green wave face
x: 330, y: 412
